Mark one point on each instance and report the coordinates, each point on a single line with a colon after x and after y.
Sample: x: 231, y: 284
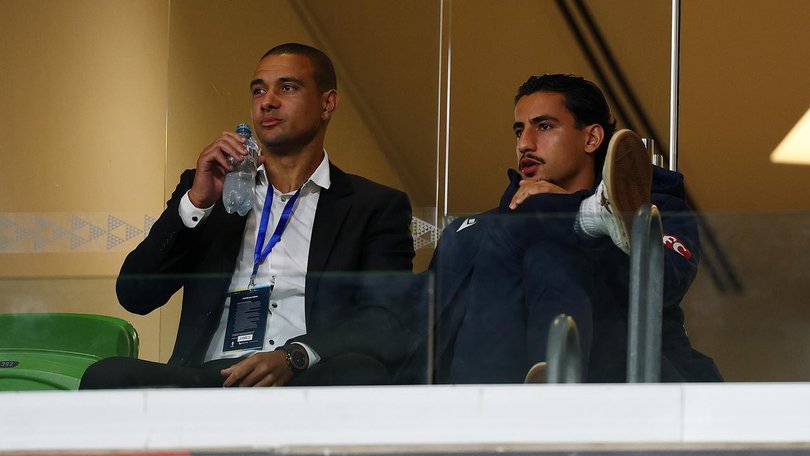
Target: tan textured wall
x: 82, y: 134
x: 744, y: 84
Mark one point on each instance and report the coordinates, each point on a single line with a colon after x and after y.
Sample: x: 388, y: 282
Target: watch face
x: 298, y: 359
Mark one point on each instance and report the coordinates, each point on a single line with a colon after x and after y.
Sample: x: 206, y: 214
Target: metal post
x: 646, y: 297
x: 674, y: 66
x: 563, y: 354
x: 656, y: 158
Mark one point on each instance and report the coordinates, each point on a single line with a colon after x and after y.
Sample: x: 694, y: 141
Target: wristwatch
x: 297, y: 357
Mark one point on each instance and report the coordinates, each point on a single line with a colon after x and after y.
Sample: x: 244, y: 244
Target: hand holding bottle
x: 214, y: 163
x: 238, y: 190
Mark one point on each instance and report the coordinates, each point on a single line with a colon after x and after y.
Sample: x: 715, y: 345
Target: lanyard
x: 259, y: 254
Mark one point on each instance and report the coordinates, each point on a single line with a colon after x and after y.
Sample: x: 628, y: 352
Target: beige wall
x: 743, y: 87
x: 82, y: 137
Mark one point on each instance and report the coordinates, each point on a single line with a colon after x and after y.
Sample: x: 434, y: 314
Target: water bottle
x: 238, y: 191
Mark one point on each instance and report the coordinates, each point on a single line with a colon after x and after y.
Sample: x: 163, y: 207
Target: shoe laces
x: 604, y: 202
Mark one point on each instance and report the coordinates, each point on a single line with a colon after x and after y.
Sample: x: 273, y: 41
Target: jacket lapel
x: 333, y: 207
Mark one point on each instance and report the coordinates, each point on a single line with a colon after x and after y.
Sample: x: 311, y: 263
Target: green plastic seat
x: 47, y: 351
x: 29, y: 370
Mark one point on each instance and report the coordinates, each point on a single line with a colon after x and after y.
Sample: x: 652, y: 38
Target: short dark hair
x: 583, y: 99
x: 322, y: 68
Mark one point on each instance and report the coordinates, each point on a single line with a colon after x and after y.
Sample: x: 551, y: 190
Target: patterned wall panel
x: 105, y: 232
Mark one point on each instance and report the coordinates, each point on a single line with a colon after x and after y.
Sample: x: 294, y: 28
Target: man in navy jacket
x: 558, y: 243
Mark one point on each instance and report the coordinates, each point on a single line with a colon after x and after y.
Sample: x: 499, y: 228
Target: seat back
x: 46, y: 351
x: 97, y: 335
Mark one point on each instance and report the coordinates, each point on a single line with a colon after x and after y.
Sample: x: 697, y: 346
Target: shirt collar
x: 321, y: 177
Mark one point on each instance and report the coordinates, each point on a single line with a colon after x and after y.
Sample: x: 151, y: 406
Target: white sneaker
x: 626, y: 185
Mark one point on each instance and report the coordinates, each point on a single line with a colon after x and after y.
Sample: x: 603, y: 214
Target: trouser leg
x: 561, y: 283
x: 528, y: 269
x: 122, y: 372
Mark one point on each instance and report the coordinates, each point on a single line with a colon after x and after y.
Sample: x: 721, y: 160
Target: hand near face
x: 213, y: 165
x: 531, y: 187
x: 259, y: 369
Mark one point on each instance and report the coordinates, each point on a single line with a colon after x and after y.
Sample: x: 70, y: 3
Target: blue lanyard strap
x: 259, y: 254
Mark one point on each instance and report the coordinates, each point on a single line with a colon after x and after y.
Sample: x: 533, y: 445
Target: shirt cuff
x: 313, y: 357
x: 191, y: 214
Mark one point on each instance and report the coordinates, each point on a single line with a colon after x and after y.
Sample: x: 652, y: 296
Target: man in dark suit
x: 558, y: 243
x: 249, y: 317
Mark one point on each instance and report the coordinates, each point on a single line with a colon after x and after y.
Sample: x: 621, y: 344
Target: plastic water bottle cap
x: 244, y: 130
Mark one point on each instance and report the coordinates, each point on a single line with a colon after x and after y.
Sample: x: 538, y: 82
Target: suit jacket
x: 359, y: 226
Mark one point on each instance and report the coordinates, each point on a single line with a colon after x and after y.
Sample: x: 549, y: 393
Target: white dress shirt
x: 285, y: 266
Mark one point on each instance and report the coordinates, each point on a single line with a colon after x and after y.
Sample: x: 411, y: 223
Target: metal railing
x: 646, y: 297
x: 563, y: 353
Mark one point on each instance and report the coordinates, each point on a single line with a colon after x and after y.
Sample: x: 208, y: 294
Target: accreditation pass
x: 247, y: 319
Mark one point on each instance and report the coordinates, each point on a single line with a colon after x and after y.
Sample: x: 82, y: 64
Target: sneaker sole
x: 537, y: 374
x: 627, y: 175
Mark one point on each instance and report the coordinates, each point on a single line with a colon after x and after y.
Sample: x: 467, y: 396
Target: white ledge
x: 424, y: 417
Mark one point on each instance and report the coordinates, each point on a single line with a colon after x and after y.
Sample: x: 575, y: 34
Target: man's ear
x: 596, y: 134
x: 330, y: 101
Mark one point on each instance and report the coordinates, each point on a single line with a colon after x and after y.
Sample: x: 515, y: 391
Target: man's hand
x: 212, y: 166
x: 259, y: 369
x: 530, y: 187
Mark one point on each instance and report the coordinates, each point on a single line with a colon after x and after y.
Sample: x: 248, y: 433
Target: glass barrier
x: 737, y: 296
x: 360, y: 328
x: 747, y: 306
x: 499, y: 282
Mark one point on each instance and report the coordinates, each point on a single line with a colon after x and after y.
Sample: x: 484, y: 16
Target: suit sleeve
x: 388, y: 243
x: 154, y: 271
x: 681, y: 254
x: 681, y: 247
x: 372, y: 309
